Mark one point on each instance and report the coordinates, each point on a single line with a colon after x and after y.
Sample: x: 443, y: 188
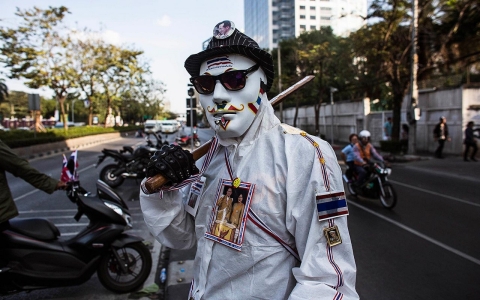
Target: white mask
x: 234, y: 111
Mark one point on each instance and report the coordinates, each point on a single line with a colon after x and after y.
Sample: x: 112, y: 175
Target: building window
x: 313, y: 27
x: 274, y: 41
x: 313, y: 17
x: 324, y: 18
x: 303, y: 27
x: 302, y: 6
x: 302, y: 16
x: 325, y: 8
x: 312, y: 7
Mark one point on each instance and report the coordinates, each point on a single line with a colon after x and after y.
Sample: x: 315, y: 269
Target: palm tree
x: 3, y: 91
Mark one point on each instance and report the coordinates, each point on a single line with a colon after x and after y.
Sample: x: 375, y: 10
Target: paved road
x: 427, y: 246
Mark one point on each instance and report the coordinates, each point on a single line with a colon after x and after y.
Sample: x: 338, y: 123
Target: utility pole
x: 279, y: 60
x: 332, y: 90
x: 413, y: 114
x: 191, y: 92
x: 73, y: 110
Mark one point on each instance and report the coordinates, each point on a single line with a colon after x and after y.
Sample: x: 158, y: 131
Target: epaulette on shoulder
x: 291, y: 130
x: 287, y: 129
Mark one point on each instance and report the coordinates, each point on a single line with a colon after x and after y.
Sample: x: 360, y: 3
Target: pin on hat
x: 227, y: 39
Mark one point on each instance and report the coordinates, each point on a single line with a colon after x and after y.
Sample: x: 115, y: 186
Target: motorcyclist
x: 348, y: 155
x: 364, y: 151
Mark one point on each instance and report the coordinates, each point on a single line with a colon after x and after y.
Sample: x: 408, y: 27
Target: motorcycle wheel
x: 138, y: 261
x: 351, y: 189
x: 107, y: 176
x: 389, y: 197
x: 196, y: 143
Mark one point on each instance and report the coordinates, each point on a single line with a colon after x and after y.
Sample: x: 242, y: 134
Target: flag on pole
x: 70, y: 167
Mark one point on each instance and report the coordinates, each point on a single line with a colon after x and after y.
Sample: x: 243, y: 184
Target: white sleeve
x: 325, y: 272
x: 167, y: 219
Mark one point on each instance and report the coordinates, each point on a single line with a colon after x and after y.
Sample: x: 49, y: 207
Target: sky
x: 168, y: 31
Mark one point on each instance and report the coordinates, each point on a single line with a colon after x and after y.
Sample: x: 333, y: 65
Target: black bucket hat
x: 236, y: 42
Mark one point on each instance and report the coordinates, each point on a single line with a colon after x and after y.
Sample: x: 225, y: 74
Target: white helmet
x: 364, y: 133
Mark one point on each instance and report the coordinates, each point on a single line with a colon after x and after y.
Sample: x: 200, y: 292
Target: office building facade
x: 270, y: 21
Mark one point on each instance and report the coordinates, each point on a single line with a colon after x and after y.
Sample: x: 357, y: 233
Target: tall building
x: 269, y: 21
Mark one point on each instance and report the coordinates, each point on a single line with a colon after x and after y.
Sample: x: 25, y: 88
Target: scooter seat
x: 40, y: 229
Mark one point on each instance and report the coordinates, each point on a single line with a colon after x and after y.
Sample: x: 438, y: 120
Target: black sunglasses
x: 232, y: 81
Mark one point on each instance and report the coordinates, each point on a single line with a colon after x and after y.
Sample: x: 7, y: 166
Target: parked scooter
x: 35, y: 256
x: 185, y: 140
x: 129, y: 162
x: 376, y: 185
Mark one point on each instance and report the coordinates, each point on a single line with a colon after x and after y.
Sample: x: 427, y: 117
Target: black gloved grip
x: 173, y: 163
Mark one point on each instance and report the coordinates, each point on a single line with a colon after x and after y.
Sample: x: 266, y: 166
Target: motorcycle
x: 185, y: 140
x: 35, y: 256
x: 129, y: 162
x: 376, y: 186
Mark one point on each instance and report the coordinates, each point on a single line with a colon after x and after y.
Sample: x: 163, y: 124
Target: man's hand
x: 173, y: 163
x: 61, y: 185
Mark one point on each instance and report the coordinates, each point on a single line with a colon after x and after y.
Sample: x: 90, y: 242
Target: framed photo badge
x: 229, y: 215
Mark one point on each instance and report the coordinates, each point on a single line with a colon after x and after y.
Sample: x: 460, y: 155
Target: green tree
x: 448, y: 42
x: 37, y: 51
x: 119, y: 69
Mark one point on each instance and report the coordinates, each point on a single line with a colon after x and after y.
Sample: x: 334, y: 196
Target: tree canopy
x: 376, y: 60
x: 74, y: 63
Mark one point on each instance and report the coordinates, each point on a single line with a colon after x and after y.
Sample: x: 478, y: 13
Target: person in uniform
x: 224, y: 206
x: 295, y: 198
x: 237, y: 211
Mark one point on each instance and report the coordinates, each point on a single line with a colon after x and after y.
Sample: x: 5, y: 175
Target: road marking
x: 36, y: 190
x: 435, y: 193
x: 421, y: 235
x: 25, y: 195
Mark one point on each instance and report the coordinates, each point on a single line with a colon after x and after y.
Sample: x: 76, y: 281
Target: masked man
x: 293, y: 188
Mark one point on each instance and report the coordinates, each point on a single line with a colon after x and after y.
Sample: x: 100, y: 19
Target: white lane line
x: 25, y: 195
x: 129, y: 231
x: 47, y: 211
x: 435, y: 193
x: 421, y: 235
x: 70, y: 224
x: 86, y: 168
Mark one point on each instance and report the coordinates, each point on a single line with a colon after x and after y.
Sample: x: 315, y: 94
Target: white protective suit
x: 287, y: 174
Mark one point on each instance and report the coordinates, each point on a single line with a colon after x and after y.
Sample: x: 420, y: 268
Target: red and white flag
x: 70, y: 167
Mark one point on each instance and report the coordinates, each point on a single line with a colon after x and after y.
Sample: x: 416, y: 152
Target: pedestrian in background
x: 470, y: 141
x: 387, y: 129
x: 440, y: 134
x: 404, y: 138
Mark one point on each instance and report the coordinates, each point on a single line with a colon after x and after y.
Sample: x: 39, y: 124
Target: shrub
x: 24, y: 138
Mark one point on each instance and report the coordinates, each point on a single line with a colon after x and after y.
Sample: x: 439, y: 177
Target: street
x: 425, y: 248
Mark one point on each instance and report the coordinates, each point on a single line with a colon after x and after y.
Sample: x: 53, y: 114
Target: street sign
x: 194, y: 100
x: 194, y: 117
x: 33, y: 102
